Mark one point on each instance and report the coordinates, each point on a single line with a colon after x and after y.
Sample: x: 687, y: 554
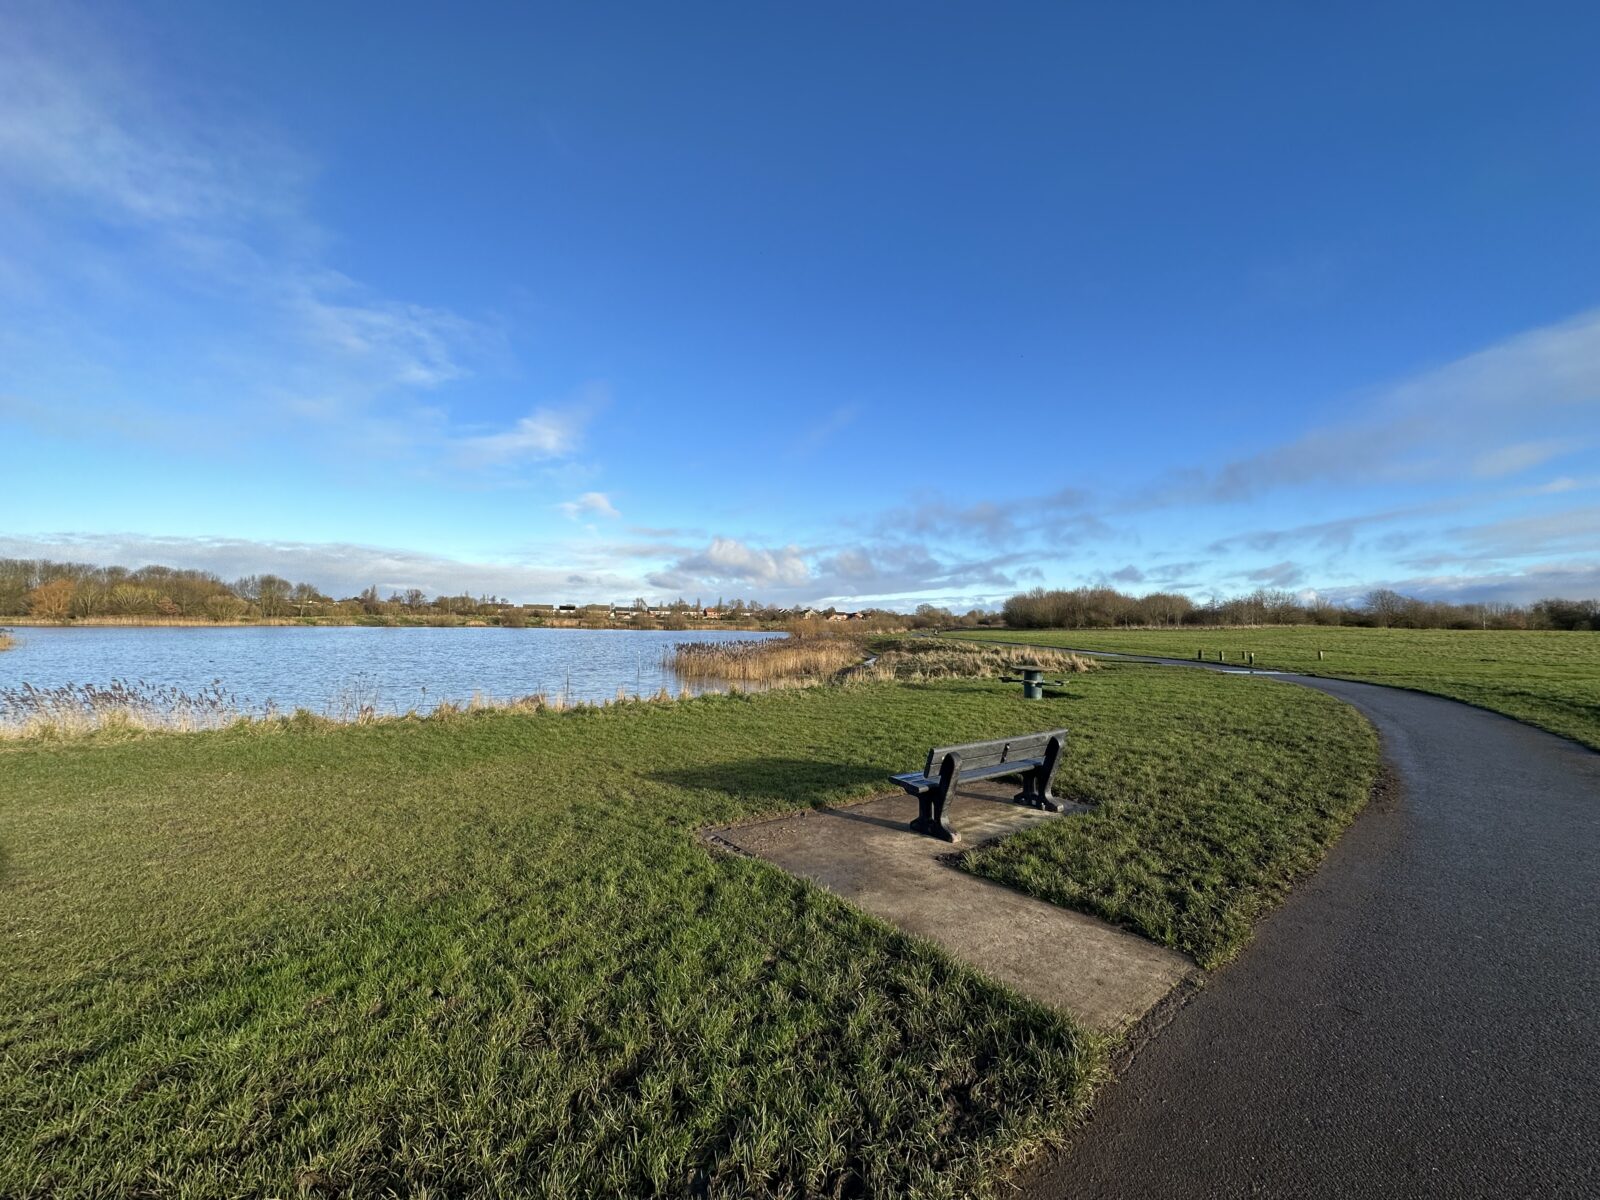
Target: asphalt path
x: 1422, y: 1015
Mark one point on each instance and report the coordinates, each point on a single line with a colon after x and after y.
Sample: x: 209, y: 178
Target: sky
x: 854, y: 304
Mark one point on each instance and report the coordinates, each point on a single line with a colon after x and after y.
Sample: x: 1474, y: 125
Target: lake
x: 332, y: 670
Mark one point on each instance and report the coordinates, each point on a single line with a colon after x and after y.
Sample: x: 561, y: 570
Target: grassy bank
x: 486, y: 953
x: 1550, y: 679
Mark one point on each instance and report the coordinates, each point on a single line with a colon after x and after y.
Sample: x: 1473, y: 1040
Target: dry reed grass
x: 767, y: 662
x: 927, y: 658
x: 6, y: 640
x: 28, y: 713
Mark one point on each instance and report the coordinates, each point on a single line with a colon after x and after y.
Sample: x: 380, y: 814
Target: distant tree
x: 52, y: 600
x: 224, y: 606
x: 1386, y: 607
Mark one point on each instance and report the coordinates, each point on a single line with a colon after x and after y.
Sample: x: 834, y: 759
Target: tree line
x: 63, y: 591
x: 1102, y: 607
x: 66, y: 591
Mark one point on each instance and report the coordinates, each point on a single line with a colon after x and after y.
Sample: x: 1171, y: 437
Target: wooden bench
x: 1034, y: 756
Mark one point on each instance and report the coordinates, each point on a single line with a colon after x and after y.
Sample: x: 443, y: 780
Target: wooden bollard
x: 1199, y: 655
x: 1252, y: 658
x: 1222, y: 656
x: 1319, y: 655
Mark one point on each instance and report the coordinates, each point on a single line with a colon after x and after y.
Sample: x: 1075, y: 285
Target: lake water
x: 334, y: 669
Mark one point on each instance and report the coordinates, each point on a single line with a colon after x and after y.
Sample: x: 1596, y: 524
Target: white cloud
x: 595, y: 504
x: 728, y: 560
x: 340, y: 568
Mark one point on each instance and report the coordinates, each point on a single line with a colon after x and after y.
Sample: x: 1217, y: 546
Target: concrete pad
x: 1104, y: 977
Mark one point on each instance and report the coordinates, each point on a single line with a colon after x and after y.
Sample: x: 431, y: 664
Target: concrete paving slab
x: 1104, y: 977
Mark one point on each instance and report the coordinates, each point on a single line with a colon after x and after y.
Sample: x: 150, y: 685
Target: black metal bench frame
x: 1034, y: 756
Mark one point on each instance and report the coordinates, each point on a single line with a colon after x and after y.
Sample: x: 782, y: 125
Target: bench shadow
x: 796, y: 779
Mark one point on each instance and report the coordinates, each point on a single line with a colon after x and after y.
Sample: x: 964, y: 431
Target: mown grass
x: 486, y: 954
x: 1203, y: 820
x: 1547, y: 678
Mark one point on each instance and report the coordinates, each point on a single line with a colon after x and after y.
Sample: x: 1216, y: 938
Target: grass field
x: 1548, y: 679
x: 486, y: 954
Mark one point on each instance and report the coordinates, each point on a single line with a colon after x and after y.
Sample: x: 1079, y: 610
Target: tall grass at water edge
x: 845, y: 659
x: 29, y: 713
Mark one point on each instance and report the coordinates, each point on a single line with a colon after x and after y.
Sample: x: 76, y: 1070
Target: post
x: 1199, y: 655
x: 1252, y: 658
x: 1222, y: 656
x: 1319, y: 655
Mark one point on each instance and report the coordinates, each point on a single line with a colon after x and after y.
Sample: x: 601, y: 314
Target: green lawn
x: 487, y: 955
x: 1548, y: 679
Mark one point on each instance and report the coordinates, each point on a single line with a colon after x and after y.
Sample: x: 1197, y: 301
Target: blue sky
x: 863, y: 304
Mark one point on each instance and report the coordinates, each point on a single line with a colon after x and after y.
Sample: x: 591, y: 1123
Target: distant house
x: 711, y: 614
x: 567, y: 608
x: 844, y: 616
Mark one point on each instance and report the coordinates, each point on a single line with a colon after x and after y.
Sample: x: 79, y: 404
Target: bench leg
x: 1046, y: 776
x: 1036, y: 791
x: 1030, y: 789
x: 931, y: 804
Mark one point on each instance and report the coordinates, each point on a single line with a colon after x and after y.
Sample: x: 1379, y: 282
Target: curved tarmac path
x: 1422, y: 1015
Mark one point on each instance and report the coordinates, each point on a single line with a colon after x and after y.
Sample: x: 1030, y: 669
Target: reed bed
x: 927, y: 658
x: 768, y: 661
x: 6, y: 640
x: 29, y: 711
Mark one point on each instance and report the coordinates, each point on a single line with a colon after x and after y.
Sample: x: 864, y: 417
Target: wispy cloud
x: 1061, y: 514
x: 590, y: 504
x: 1475, y: 410
x: 1522, y: 585
x: 1279, y: 575
x: 211, y: 231
x: 810, y: 441
x: 543, y: 434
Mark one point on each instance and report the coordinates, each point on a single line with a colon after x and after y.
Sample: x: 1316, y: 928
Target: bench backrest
x: 1001, y: 750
